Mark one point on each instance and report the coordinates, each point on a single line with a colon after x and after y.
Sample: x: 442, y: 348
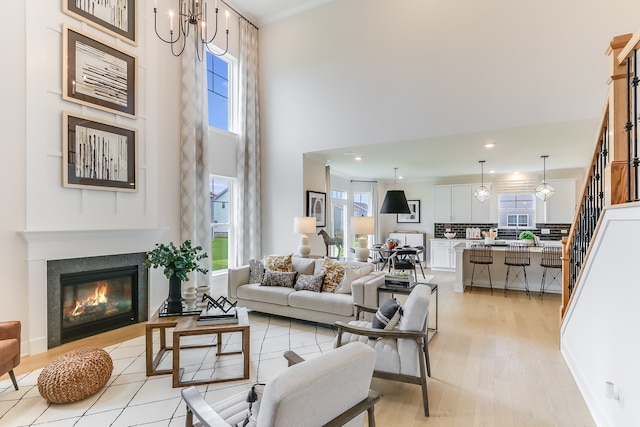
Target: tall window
x: 361, y: 207
x: 220, y: 190
x: 339, y: 213
x: 516, y: 211
x: 219, y: 91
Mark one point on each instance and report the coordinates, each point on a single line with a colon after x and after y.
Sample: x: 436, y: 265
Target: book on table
x: 397, y: 281
x: 215, y: 316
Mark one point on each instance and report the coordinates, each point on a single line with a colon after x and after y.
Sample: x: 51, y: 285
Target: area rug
x: 133, y: 399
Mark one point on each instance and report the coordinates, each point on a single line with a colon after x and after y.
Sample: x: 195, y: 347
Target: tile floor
x: 133, y: 399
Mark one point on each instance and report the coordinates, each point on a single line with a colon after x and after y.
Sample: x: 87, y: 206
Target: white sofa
x: 322, y: 307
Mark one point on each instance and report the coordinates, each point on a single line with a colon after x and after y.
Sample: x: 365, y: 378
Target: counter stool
x: 481, y: 255
x: 517, y: 256
x: 551, y: 258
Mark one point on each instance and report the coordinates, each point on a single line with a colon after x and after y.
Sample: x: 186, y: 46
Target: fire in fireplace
x: 97, y: 301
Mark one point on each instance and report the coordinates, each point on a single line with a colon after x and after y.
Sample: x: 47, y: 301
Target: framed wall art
x: 97, y: 74
x: 317, y: 207
x: 98, y: 155
x: 115, y: 17
x: 414, y: 216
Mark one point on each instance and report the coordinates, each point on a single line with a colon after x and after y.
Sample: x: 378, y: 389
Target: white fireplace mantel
x: 45, y: 245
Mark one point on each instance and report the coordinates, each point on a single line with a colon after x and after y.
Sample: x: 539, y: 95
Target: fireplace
x: 97, y: 301
x: 88, y: 296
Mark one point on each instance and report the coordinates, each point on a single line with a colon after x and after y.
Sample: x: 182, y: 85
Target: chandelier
x: 395, y: 202
x: 544, y: 191
x: 482, y: 193
x: 192, y: 20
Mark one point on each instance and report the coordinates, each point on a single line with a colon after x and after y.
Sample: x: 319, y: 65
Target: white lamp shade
x: 304, y: 224
x: 544, y: 191
x: 362, y: 225
x: 482, y: 193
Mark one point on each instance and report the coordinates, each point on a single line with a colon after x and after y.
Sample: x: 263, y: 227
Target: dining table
x: 384, y: 254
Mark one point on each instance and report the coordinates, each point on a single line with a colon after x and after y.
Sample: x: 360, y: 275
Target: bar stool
x: 517, y: 256
x: 481, y: 255
x: 551, y: 258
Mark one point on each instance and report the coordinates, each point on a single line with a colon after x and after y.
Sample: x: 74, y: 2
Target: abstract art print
x: 316, y: 207
x: 97, y: 155
x: 97, y: 74
x: 115, y: 17
x: 414, y: 216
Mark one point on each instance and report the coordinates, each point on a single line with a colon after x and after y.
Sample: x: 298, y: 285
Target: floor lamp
x: 363, y: 226
x: 304, y: 225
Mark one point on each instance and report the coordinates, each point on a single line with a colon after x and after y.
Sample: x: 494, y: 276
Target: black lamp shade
x: 395, y: 202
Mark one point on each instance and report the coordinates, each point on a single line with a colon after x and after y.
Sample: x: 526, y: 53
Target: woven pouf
x: 75, y: 375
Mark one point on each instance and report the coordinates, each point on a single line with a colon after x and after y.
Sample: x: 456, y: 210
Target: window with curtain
x: 220, y: 197
x: 221, y: 91
x: 339, y: 213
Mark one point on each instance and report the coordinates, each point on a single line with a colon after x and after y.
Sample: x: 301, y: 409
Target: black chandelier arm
x: 155, y: 27
x: 225, y: 50
x: 215, y: 33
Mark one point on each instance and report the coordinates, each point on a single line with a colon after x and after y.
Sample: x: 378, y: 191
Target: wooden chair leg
x: 13, y: 379
x: 423, y: 383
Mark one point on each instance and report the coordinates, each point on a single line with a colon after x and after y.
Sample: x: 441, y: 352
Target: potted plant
x: 177, y: 262
x: 392, y: 243
x: 527, y: 236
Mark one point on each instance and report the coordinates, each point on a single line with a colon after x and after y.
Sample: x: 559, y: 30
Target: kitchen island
x: 499, y: 271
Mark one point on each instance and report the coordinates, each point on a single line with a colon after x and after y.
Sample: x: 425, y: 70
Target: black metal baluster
x: 634, y: 101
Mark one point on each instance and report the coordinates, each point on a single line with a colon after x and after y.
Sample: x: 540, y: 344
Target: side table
x: 406, y: 291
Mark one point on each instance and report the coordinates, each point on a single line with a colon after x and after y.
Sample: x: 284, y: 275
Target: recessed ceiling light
x: 401, y: 177
x: 490, y: 145
x: 358, y: 157
x: 492, y: 171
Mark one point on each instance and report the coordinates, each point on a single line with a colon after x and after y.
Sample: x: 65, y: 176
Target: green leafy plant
x: 178, y: 261
x: 527, y: 235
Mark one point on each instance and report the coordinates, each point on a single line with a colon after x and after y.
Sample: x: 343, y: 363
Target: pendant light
x: 482, y: 193
x: 544, y: 191
x: 395, y: 202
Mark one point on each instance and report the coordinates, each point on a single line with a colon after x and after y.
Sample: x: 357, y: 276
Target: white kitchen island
x: 499, y: 271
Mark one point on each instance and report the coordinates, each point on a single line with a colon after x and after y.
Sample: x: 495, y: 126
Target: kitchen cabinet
x: 443, y: 254
x: 452, y: 203
x: 412, y: 239
x: 560, y: 209
x: 481, y: 211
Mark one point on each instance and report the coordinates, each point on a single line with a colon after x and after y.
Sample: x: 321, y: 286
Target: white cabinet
x: 561, y: 207
x: 481, y: 211
x: 452, y: 203
x: 412, y: 239
x: 443, y: 255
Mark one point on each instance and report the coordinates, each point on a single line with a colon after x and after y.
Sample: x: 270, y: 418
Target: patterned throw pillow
x: 256, y: 270
x: 278, y: 262
x: 388, y: 315
x: 279, y: 278
x: 309, y: 282
x: 334, y: 272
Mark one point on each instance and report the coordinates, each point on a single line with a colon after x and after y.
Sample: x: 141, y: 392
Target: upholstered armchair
x: 9, y: 348
x: 331, y: 389
x: 402, y: 352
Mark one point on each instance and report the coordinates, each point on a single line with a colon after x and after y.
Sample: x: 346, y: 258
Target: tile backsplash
x: 555, y: 230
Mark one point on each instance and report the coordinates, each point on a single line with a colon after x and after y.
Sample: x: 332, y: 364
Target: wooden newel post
x: 616, y: 169
x: 566, y: 269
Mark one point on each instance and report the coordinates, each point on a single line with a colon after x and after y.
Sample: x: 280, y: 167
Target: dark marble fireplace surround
x: 56, y: 268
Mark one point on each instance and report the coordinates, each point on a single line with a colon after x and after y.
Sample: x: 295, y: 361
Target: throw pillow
x: 351, y: 274
x: 279, y: 278
x: 278, y: 262
x: 334, y: 272
x: 309, y: 282
x: 388, y: 315
x: 256, y: 270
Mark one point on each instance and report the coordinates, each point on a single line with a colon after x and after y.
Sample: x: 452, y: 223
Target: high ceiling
x: 569, y: 143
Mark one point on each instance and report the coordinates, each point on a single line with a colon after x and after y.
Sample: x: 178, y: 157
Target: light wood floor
x: 494, y: 362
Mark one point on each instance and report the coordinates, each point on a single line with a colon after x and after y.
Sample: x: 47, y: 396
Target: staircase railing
x: 612, y: 177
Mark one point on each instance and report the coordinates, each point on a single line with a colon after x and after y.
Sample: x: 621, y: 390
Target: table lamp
x: 304, y: 225
x: 363, y: 226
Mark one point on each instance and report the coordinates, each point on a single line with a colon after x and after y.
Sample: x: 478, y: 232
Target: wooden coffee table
x: 186, y: 326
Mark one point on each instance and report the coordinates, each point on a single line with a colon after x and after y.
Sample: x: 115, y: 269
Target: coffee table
x: 406, y: 291
x: 184, y: 326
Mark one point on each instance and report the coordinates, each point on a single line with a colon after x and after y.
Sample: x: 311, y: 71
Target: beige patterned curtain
x: 249, y: 228
x: 194, y: 168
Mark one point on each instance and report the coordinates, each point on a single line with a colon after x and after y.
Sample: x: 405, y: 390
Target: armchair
x: 329, y: 390
x: 9, y: 348
x: 402, y: 353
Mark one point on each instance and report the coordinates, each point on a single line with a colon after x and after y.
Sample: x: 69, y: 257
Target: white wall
x: 36, y: 202
x: 597, y: 335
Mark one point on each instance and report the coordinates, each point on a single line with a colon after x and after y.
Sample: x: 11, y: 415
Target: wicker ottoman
x: 75, y: 375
